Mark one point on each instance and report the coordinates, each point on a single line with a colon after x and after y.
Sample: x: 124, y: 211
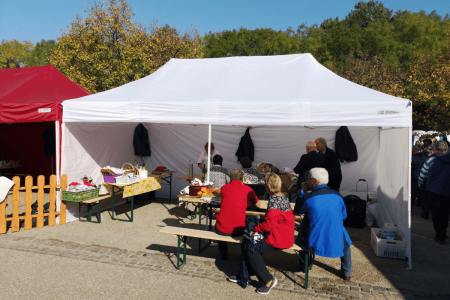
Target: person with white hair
x: 312, y: 159
x: 322, y: 231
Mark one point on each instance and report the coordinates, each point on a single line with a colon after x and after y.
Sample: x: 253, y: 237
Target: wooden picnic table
x: 91, y: 203
x: 122, y: 187
x: 186, y: 177
x: 10, y: 167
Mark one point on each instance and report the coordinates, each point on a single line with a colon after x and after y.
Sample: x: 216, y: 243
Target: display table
x: 167, y: 178
x: 13, y: 168
x: 186, y: 177
x: 143, y: 186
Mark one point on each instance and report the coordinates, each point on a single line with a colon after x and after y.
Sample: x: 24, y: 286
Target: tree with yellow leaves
x: 107, y: 49
x: 13, y: 53
x: 429, y: 88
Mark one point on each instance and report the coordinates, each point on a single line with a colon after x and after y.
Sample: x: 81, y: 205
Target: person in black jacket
x: 417, y: 160
x: 312, y: 159
x: 332, y: 164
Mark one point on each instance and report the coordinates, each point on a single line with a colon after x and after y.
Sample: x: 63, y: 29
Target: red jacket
x: 235, y: 195
x: 280, y: 226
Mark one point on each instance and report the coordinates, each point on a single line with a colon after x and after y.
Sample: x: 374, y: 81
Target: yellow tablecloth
x: 143, y: 186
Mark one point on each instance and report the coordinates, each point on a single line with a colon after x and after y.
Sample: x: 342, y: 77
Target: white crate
x: 387, y: 248
x: 390, y: 227
x: 126, y: 180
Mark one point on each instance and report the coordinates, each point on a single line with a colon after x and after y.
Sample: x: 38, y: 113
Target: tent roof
x: 260, y: 90
x: 24, y: 91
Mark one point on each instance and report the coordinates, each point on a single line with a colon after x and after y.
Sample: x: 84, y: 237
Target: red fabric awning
x: 35, y: 94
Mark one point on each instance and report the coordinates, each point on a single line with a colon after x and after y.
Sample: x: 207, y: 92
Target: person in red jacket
x: 279, y: 226
x: 230, y: 221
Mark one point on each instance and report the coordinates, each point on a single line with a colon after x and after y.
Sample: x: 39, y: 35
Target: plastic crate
x: 80, y: 196
x: 127, y: 180
x: 110, y: 178
x: 387, y: 248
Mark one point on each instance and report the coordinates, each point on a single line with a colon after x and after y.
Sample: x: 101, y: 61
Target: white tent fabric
x: 263, y: 90
x: 289, y: 100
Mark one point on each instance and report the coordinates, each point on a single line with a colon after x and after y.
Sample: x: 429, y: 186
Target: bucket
x: 193, y: 190
x: 143, y: 174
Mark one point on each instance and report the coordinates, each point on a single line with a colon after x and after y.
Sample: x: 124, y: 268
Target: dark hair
x: 418, y: 147
x: 441, y: 146
x: 427, y: 142
x: 217, y: 159
x: 246, y: 162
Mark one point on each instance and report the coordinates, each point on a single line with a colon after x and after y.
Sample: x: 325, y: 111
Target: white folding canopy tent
x: 288, y: 100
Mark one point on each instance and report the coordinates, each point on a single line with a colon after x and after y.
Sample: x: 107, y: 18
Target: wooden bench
x: 91, y: 203
x: 184, y: 233
x: 256, y: 213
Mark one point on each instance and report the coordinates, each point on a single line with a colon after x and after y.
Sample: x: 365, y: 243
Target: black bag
x: 356, y: 211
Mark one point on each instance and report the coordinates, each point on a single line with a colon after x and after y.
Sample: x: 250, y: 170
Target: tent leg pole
x: 409, y: 196
x: 58, y: 175
x: 209, y: 151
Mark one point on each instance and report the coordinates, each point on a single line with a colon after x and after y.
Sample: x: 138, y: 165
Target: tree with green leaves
x: 374, y: 30
x: 106, y: 49
x: 244, y: 42
x: 40, y: 55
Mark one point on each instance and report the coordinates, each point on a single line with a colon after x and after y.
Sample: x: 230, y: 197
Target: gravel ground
x: 429, y: 273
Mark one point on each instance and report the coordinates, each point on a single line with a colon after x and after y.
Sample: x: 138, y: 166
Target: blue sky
x: 34, y: 20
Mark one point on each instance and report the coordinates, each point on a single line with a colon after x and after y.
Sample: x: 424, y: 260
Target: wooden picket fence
x: 28, y: 188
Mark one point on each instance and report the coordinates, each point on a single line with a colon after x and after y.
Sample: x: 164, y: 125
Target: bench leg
x: 193, y: 215
x: 99, y: 215
x: 99, y: 206
x: 306, y: 270
x: 80, y: 204
x: 89, y: 214
x: 181, y: 244
x: 308, y: 260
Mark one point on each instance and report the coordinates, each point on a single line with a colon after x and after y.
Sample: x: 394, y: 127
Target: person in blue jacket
x: 322, y: 231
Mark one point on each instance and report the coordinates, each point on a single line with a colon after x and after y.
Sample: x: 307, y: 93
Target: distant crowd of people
x: 430, y: 178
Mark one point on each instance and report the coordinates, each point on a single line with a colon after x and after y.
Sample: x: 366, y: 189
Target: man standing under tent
x: 332, y: 164
x: 312, y: 159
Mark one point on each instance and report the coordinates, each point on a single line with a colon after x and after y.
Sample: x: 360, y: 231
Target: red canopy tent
x: 30, y: 103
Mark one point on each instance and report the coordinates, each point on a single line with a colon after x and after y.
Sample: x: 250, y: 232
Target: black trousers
x: 223, y: 246
x: 255, y: 262
x: 440, y: 208
x: 423, y: 195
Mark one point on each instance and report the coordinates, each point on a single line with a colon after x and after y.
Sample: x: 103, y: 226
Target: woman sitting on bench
x: 278, y: 225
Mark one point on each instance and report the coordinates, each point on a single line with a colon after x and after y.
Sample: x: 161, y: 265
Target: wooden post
x: 62, y: 215
x: 3, y: 216
x: 52, y: 199
x: 40, y: 202
x: 28, y: 202
x: 15, y: 223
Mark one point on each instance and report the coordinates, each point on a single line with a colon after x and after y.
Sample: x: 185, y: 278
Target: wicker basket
x: 80, y: 196
x: 129, y: 170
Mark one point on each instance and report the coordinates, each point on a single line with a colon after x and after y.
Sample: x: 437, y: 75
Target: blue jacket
x: 423, y: 177
x: 325, y: 210
x: 439, y: 175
